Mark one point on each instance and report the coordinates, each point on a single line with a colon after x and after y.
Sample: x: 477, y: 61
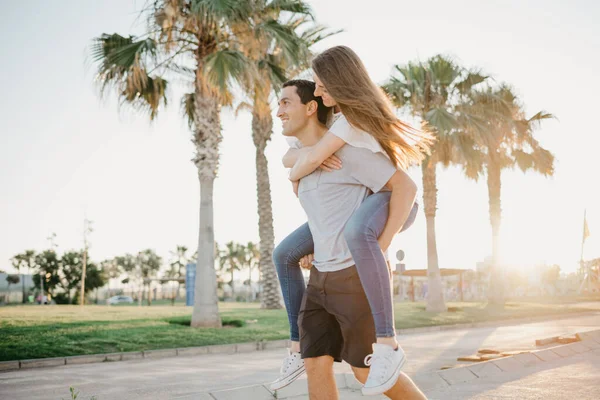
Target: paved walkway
x: 576, y: 377
x: 194, y: 377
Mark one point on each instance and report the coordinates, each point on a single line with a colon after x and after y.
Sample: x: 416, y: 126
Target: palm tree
x: 179, y: 262
x: 112, y: 270
x: 509, y: 143
x: 24, y: 261
x: 430, y: 91
x: 249, y: 257
x: 229, y: 258
x: 278, y: 51
x: 196, y: 38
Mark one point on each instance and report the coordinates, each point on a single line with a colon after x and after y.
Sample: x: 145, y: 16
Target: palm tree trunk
x: 232, y: 289
x: 435, y: 294
x: 262, y: 127
x: 207, y: 137
x: 23, y: 300
x: 497, y: 283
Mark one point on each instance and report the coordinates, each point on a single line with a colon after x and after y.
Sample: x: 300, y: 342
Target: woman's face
x: 321, y: 92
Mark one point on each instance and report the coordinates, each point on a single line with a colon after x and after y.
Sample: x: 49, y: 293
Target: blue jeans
x: 361, y: 234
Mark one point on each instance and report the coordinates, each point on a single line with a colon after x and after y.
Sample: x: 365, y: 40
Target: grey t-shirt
x: 330, y: 198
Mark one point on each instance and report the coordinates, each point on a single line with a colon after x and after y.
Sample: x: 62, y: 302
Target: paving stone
x: 595, y: 335
x: 590, y: 344
x: 485, y: 369
x: 132, y: 355
x: 457, y: 375
x: 196, y: 396
x: 563, y: 351
x: 508, y: 364
x: 429, y: 381
x: 192, y: 351
x: 352, y: 382
x: 527, y: 359
x: 94, y: 358
x: 113, y: 357
x: 160, y: 353
x: 9, y: 365
x: 297, y: 388
x: 585, y: 335
x: 577, y: 347
x: 246, y: 347
x: 43, y: 362
x: 256, y: 392
x: 275, y: 344
x: 221, y: 349
x: 546, y: 355
x: 340, y: 380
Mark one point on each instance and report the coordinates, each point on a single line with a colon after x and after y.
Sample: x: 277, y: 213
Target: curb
x: 6, y: 366
x: 261, y: 345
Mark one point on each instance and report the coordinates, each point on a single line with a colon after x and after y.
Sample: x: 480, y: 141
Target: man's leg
x: 404, y: 388
x: 321, y: 380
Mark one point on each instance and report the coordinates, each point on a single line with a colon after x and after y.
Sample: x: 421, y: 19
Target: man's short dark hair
x: 306, y: 92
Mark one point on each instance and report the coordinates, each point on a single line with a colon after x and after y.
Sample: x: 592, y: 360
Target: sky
x: 66, y: 154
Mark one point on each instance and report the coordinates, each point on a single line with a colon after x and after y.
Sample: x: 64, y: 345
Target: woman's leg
x: 286, y: 258
x: 361, y: 233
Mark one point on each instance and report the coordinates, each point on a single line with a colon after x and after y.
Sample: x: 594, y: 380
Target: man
x: 335, y: 319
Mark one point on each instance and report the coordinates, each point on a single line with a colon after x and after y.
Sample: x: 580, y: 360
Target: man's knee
x: 318, y: 365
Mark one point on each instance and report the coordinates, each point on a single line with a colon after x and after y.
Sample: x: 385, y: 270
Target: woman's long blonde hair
x: 367, y: 107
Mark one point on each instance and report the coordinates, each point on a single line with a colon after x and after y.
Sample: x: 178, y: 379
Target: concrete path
x: 193, y: 377
x: 576, y: 377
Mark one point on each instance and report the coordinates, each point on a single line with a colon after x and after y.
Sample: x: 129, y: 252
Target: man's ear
x: 311, y: 107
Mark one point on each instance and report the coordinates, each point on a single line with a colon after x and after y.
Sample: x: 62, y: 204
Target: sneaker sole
x: 277, y: 385
x: 375, y: 390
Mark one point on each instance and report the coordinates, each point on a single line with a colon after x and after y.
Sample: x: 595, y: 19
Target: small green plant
x: 75, y: 395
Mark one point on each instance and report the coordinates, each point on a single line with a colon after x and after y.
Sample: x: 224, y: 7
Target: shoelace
x: 383, y: 366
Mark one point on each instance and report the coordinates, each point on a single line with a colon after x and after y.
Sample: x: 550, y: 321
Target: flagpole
x: 582, y: 241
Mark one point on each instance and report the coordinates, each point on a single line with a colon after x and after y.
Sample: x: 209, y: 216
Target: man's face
x: 293, y: 114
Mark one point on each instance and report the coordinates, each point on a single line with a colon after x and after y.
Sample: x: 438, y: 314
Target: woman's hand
x: 331, y: 163
x: 384, y: 243
x: 306, y: 261
x: 295, y: 187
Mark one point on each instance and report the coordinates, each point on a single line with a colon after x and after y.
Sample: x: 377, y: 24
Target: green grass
x: 61, y: 330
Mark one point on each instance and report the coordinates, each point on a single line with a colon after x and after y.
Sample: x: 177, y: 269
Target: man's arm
x: 404, y: 192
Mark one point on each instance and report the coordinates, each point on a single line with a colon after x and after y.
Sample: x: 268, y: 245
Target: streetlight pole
x: 87, y: 229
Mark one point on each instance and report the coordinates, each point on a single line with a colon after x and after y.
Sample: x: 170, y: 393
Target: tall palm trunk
x: 497, y: 282
x: 23, y: 300
x: 262, y: 127
x: 435, y: 294
x: 207, y: 137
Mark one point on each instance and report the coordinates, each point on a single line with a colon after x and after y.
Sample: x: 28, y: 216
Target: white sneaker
x: 292, y: 368
x: 386, y: 364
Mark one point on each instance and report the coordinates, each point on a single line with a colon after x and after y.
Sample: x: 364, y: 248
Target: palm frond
x: 229, y: 9
x: 292, y: 6
x: 472, y: 79
x: 224, y: 68
x: 188, y: 108
x: 441, y: 119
